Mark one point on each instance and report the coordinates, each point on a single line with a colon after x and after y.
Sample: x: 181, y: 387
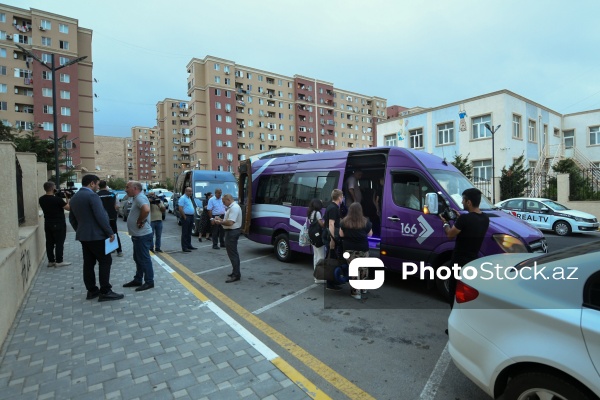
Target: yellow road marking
x: 321, y: 369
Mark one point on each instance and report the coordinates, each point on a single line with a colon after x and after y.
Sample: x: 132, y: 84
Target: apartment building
x: 236, y: 111
x: 142, y: 154
x: 110, y: 153
x: 521, y: 126
x: 26, y: 85
x: 173, y: 122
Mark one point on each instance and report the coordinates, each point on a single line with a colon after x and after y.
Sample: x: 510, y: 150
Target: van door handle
x: 394, y: 218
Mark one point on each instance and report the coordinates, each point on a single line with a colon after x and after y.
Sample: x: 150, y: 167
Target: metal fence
x: 585, y: 185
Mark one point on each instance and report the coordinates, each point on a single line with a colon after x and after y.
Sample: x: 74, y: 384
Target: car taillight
x: 465, y: 293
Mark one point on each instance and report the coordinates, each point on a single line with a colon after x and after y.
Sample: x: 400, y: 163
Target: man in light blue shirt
x: 186, y: 213
x: 216, y: 208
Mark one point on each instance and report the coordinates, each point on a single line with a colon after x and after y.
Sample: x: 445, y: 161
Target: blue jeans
x: 141, y: 255
x: 157, y: 231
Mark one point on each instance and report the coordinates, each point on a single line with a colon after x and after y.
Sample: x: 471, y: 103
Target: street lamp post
x: 493, y: 131
x: 53, y: 70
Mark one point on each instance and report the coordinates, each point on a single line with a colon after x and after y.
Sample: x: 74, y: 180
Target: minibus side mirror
x: 431, y: 202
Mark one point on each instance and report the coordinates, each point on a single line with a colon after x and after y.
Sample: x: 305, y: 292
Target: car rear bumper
x: 474, y: 355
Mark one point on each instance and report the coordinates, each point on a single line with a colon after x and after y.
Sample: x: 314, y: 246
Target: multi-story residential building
x: 26, y: 85
x: 173, y: 122
x: 110, y: 153
x: 236, y: 111
x: 143, y: 155
x: 544, y: 136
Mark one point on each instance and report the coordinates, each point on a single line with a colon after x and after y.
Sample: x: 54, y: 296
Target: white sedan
x: 170, y: 208
x: 546, y: 214
x: 528, y: 328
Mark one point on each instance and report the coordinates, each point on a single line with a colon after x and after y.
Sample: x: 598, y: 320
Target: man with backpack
x: 331, y: 233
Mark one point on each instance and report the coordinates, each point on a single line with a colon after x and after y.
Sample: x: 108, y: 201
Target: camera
x: 448, y: 214
x: 64, y: 193
x: 155, y: 200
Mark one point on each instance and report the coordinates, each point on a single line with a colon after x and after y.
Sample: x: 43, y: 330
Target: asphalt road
x: 391, y: 345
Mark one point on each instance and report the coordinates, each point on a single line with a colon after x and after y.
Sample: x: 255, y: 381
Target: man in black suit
x: 92, y: 228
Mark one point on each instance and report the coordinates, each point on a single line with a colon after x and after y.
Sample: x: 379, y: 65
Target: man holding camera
x: 157, y: 208
x: 55, y: 226
x: 469, y: 231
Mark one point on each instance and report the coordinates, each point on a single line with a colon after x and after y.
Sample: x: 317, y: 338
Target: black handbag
x: 325, y: 269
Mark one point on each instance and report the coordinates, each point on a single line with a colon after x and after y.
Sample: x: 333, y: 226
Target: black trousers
x: 231, y: 241
x: 186, y: 231
x: 56, y: 232
x: 113, y: 226
x: 94, y: 251
x: 218, y: 233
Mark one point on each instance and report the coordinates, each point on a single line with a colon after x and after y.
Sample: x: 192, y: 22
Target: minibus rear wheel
x: 282, y: 247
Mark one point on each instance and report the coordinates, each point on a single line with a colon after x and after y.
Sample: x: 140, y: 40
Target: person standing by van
x: 355, y: 231
x: 55, y: 226
x: 353, y: 189
x: 232, y: 222
x: 332, y: 225
x: 186, y: 213
x: 109, y: 201
x: 314, y: 215
x: 216, y: 208
x: 469, y: 231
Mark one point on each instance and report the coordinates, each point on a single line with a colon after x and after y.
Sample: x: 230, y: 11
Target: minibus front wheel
x: 443, y: 285
x: 282, y: 247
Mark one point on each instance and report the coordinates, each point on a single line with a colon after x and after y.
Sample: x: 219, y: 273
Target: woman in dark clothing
x: 205, y: 227
x: 355, y: 230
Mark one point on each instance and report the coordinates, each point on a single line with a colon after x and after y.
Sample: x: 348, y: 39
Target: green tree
x: 513, y: 180
x: 463, y: 165
x: 6, y: 133
x: 116, y: 183
x: 580, y: 186
x: 168, y: 184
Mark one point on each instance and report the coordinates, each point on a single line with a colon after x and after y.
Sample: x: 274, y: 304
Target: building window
x: 62, y: 28
x: 46, y: 41
x: 63, y: 44
x: 217, y: 92
x: 2, y: 17
x: 65, y: 111
x: 219, y: 143
x: 2, y: 53
x: 48, y: 109
x: 516, y: 127
x: 595, y: 135
x: 218, y: 117
x: 3, y: 106
x: 2, y: 70
x: 45, y: 24
x: 390, y: 140
x: 65, y: 127
x: 445, y: 133
x: 47, y: 58
x: 47, y: 75
x: 218, y: 105
x: 65, y: 94
x: 416, y: 138
x: 46, y: 92
x: 569, y: 139
x: 219, y: 156
x: 532, y: 132
x: 482, y: 171
x: 217, y: 67
x: 66, y: 78
x: 478, y: 125
x: 228, y: 131
x: 217, y: 79
x: 48, y: 126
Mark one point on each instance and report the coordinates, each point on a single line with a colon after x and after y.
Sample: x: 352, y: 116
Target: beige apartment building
x: 236, y: 111
x: 110, y: 153
x: 142, y: 154
x: 173, y: 122
x: 26, y: 85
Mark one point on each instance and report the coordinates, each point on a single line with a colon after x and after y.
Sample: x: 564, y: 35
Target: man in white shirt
x: 216, y: 208
x: 232, y: 224
x: 353, y: 194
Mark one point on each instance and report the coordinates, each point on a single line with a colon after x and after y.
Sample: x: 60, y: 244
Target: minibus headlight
x: 510, y: 244
x: 198, y: 210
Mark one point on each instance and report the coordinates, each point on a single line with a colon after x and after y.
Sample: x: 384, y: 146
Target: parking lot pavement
x: 168, y: 342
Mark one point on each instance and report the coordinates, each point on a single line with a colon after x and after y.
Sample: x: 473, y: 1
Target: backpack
x: 315, y: 232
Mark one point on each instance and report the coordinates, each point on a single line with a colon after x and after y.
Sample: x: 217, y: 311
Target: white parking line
x: 229, y: 265
x: 431, y: 387
x: 284, y: 299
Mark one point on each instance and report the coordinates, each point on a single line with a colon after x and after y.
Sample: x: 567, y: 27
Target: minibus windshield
x: 455, y: 183
x: 203, y: 187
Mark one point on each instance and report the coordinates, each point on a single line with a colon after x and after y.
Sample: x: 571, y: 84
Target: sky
x: 413, y: 53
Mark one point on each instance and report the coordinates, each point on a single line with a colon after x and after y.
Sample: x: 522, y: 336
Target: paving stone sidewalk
x: 159, y: 344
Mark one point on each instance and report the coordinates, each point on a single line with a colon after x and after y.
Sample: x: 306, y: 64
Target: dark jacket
x: 88, y: 217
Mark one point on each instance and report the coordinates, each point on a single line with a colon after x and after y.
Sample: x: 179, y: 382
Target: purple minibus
x: 275, y: 193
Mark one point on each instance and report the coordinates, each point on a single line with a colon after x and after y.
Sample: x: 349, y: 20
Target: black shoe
x: 145, y: 286
x: 333, y: 287
x: 158, y: 251
x: 446, y: 332
x: 233, y: 279
x: 200, y: 239
x: 92, y: 294
x: 216, y: 247
x: 186, y: 251
x: 110, y: 296
x: 192, y: 248
x: 222, y: 244
x: 230, y: 275
x: 132, y: 284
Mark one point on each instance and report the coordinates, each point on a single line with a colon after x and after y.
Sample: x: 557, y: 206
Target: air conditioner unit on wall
x: 42, y: 28
x: 8, y: 36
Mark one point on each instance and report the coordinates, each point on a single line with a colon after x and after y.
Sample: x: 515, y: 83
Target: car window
x: 514, y: 204
x: 554, y: 205
x: 591, y: 291
x: 533, y: 206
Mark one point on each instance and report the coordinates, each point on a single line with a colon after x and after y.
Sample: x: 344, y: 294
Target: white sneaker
x: 51, y: 264
x: 62, y: 264
x: 320, y: 281
x: 364, y: 291
x: 356, y: 294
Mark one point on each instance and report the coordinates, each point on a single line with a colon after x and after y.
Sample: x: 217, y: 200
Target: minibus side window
x: 311, y: 185
x: 273, y: 189
x: 408, y: 190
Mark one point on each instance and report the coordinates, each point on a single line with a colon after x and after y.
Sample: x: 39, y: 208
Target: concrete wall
x: 592, y: 207
x: 22, y: 248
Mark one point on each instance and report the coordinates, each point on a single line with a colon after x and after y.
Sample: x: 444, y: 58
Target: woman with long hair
x: 314, y: 214
x: 355, y: 231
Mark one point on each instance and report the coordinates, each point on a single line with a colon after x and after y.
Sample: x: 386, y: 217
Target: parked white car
x: 531, y: 338
x: 546, y: 214
x: 170, y: 205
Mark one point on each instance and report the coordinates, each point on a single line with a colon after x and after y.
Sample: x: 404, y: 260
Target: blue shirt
x: 216, y: 206
x: 186, y: 203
